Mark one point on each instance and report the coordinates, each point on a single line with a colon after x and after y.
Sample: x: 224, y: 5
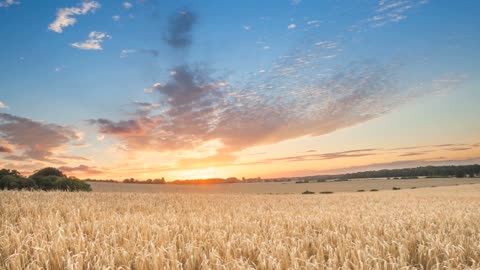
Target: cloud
x: 82, y: 169
x: 291, y: 26
x: 116, y: 18
x: 125, y: 53
x: 179, y: 31
x: 66, y: 16
x: 298, y: 95
x: 7, y: 3
x: 3, y: 106
x: 36, y: 140
x: 72, y: 157
x: 412, y: 154
x: 128, y: 127
x: 94, y: 41
x: 127, y: 5
x: 391, y: 11
x: 4, y: 149
x: 59, y: 68
x: 325, y: 156
x: 302, y: 93
x: 247, y: 27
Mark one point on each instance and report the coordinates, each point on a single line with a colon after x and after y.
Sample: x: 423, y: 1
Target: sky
x: 253, y: 88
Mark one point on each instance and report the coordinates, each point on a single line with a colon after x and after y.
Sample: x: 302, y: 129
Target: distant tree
x: 460, y: 174
x: 159, y: 181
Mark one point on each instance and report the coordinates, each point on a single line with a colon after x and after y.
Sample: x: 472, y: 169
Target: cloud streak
x: 66, y: 16
x: 151, y: 52
x: 82, y: 169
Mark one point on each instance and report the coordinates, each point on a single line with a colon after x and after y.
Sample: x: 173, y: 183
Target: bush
x: 373, y: 190
x: 361, y: 190
x: 308, y: 192
x: 53, y: 179
x: 326, y: 192
x: 396, y: 188
x: 53, y: 182
x: 44, y: 179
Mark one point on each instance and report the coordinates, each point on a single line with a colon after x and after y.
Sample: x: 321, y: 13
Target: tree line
x: 427, y: 171
x: 45, y: 179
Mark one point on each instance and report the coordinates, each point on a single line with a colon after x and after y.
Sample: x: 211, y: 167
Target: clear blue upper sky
x: 305, y: 67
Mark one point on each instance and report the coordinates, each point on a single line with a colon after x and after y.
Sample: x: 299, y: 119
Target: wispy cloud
x: 66, y: 16
x: 116, y: 18
x: 7, y: 3
x: 94, y: 41
x: 82, y: 169
x: 126, y: 53
x: 326, y: 156
x: 388, y: 11
x: 291, y: 26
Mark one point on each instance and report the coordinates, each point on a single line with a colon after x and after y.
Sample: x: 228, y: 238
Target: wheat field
x: 431, y: 228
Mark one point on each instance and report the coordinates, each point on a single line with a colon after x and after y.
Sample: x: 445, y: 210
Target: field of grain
x: 422, y: 228
x: 285, y: 187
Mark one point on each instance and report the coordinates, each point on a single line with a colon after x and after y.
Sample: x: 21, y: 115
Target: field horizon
x: 354, y: 185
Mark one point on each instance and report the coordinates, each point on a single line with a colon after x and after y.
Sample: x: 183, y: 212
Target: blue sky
x: 285, y: 71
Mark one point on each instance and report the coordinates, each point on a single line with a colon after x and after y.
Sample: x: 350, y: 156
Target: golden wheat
x: 437, y: 228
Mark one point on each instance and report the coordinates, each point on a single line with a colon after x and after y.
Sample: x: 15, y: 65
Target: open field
x: 427, y: 228
x: 286, y: 187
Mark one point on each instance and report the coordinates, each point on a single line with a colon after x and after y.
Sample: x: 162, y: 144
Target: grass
x: 423, y: 229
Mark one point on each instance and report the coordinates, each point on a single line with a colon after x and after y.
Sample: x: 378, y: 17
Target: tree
x: 10, y: 182
x: 49, y: 171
